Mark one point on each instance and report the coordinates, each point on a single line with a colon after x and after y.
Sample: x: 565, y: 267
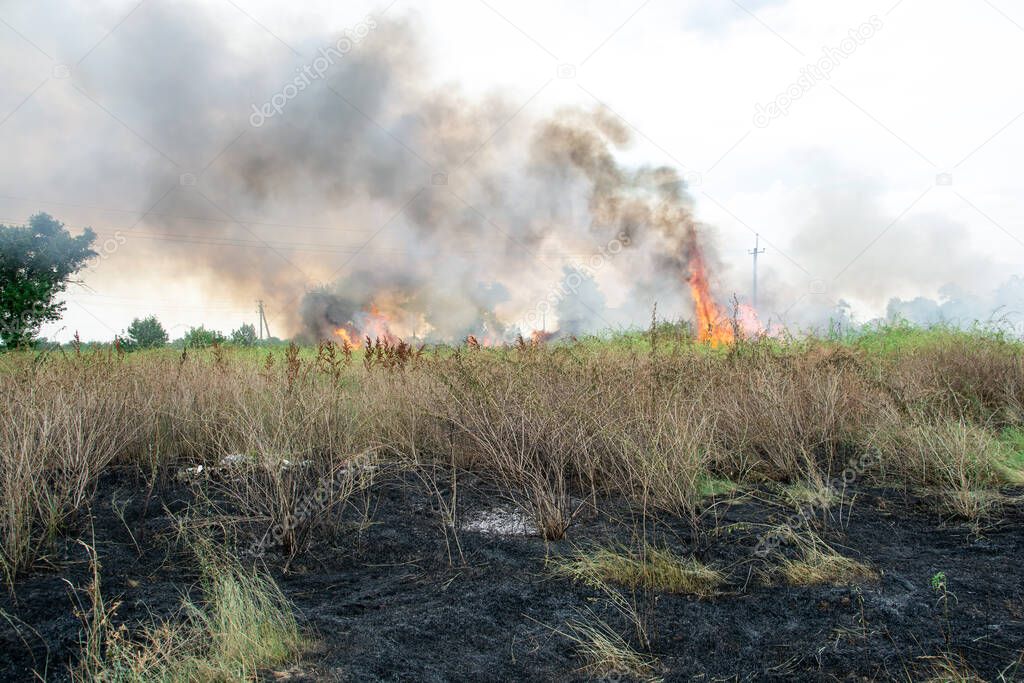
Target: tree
x: 200, y: 338
x: 147, y: 333
x: 36, y: 263
x: 244, y: 335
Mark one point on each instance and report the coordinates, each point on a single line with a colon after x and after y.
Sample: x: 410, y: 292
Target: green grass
x: 712, y: 486
x: 882, y: 339
x: 878, y: 339
x: 902, y: 336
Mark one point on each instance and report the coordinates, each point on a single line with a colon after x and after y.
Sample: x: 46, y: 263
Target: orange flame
x: 347, y: 338
x: 713, y: 324
x: 375, y: 325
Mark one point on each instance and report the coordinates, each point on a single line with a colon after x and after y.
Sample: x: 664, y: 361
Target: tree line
x: 37, y: 263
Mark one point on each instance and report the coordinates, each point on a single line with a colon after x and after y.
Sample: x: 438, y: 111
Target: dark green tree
x: 244, y: 335
x: 200, y: 338
x: 147, y: 333
x: 36, y: 264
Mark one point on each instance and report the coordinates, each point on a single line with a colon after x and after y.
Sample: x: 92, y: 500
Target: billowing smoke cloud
x: 354, y: 187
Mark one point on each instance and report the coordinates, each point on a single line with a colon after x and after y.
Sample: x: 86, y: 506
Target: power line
x: 159, y: 306
x: 216, y: 302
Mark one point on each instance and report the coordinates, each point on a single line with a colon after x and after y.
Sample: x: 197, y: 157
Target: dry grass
x: 554, y: 425
x: 651, y: 569
x: 284, y: 504
x: 786, y: 417
x: 815, y: 494
x: 961, y: 461
x: 816, y: 562
x: 65, y: 419
x: 606, y: 653
x: 58, y: 432
x: 950, y: 669
x: 825, y: 566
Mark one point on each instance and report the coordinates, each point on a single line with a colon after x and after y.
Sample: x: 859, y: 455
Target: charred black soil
x: 397, y: 595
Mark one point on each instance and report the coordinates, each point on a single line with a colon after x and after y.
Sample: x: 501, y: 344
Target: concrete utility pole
x: 754, y: 252
x: 263, y: 320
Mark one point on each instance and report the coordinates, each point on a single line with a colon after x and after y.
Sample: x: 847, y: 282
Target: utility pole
x: 754, y: 252
x: 263, y: 320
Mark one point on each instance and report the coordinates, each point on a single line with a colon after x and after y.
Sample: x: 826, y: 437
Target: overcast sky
x: 874, y: 146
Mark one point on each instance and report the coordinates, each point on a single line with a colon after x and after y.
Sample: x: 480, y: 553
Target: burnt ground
x: 390, y: 600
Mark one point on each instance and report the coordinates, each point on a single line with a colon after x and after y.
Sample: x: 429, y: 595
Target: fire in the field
x: 373, y: 325
x: 714, y: 324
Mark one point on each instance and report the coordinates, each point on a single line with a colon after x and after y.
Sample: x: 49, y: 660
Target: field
x: 632, y: 507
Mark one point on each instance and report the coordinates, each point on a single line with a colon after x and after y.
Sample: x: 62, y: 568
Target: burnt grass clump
x: 396, y: 594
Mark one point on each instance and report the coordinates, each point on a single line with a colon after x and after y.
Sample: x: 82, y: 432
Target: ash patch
x: 500, y: 521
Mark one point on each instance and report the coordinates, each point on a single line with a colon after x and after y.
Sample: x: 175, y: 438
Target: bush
x: 200, y: 338
x: 244, y: 335
x: 146, y: 333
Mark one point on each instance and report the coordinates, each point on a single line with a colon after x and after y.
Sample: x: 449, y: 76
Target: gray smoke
x: 848, y: 247
x: 1001, y: 308
x: 374, y: 187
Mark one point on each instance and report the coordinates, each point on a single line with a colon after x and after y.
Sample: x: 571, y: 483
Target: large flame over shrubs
x: 713, y: 323
x: 372, y: 324
x: 710, y: 320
